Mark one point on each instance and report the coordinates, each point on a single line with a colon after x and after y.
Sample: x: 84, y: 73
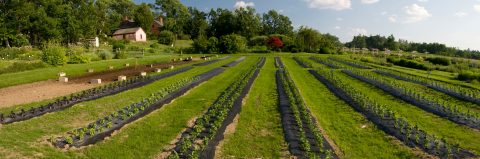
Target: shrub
x: 106, y: 55
x: 121, y: 55
x: 118, y: 45
x: 78, y: 58
x: 155, y: 46
x: 275, y: 43
x: 213, y: 45
x: 200, y: 45
x: 166, y: 37
x: 468, y: 76
x: 259, y: 49
x: 92, y: 56
x: 325, y: 50
x: 439, y: 61
x: 407, y: 63
x: 232, y: 43
x: 54, y: 55
x: 258, y: 41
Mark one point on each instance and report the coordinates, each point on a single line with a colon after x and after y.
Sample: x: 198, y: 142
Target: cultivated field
x: 279, y: 105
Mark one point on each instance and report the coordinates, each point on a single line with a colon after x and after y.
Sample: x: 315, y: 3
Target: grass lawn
x: 342, y: 123
x: 432, y: 124
x: 259, y: 132
x: 27, y: 139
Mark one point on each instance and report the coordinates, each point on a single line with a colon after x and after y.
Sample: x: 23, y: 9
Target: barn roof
x: 126, y: 31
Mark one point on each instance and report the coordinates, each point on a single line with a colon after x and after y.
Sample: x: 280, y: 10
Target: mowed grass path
x: 29, y: 138
x: 453, y: 133
x: 259, y: 132
x: 342, y: 123
x: 74, y: 70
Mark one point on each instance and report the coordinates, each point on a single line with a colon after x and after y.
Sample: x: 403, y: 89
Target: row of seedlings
x: 211, y: 61
x: 389, y: 121
x: 325, y: 62
x: 440, y: 107
x: 233, y: 63
x: 303, y: 62
x: 86, y: 95
x: 461, y: 92
x: 278, y: 62
x: 201, y: 139
x: 458, y: 91
x: 105, y: 126
x: 349, y: 62
x: 304, y: 138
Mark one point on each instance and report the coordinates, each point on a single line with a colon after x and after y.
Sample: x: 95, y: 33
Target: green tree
x: 308, y: 39
x: 275, y: 23
x: 144, y: 16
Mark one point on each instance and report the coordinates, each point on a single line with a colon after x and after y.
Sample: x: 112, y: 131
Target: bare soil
x: 39, y: 91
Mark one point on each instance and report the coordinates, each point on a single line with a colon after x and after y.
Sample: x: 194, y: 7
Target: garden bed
x: 233, y: 63
x: 104, y: 127
x: 87, y: 95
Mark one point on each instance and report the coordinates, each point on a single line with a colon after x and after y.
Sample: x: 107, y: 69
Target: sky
x: 455, y: 23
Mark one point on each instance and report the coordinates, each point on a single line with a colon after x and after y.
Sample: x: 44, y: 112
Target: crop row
x: 301, y: 131
x: 104, y: 126
x: 303, y: 62
x: 388, y: 120
x: 437, y: 106
x: 86, y: 95
x: 278, y: 62
x: 205, y: 133
x: 233, y: 63
x: 463, y: 93
x: 349, y: 62
x: 325, y: 62
x: 211, y: 61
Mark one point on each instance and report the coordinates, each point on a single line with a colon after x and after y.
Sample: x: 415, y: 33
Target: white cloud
x: 384, y: 13
x: 477, y: 7
x: 423, y: 0
x: 339, y: 19
x: 330, y: 4
x: 392, y: 18
x: 358, y: 31
x: 243, y: 4
x: 369, y: 1
x: 416, y: 13
x: 337, y: 28
x: 461, y: 14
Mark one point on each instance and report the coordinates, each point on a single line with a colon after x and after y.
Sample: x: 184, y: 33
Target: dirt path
x: 38, y: 91
x: 228, y: 131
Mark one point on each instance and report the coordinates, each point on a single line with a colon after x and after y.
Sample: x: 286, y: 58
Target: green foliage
x: 54, y: 54
x: 106, y: 55
x: 118, y: 45
x: 439, y: 61
x: 144, y: 16
x: 78, y: 58
x: 258, y: 41
x: 200, y: 45
x: 275, y: 23
x: 407, y: 63
x: 155, y: 46
x: 259, y: 49
x: 166, y: 38
x: 468, y: 76
x: 213, y: 44
x: 232, y: 43
x: 121, y: 55
x: 23, y: 66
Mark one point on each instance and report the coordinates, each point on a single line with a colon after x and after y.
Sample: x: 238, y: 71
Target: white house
x: 132, y: 34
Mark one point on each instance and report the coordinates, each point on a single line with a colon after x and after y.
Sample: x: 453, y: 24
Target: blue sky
x: 453, y: 22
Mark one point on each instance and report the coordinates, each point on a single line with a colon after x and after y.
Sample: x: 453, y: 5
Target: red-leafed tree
x: 275, y: 43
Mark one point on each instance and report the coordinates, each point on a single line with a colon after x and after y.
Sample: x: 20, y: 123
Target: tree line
x: 390, y: 43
